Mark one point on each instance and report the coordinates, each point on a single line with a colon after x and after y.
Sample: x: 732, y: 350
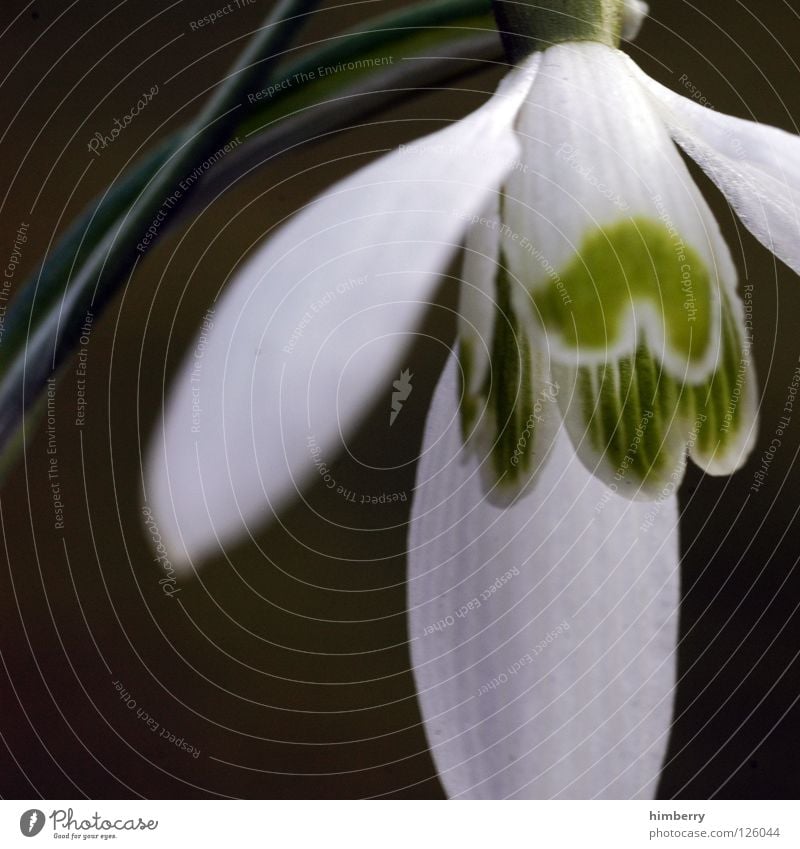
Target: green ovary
x: 589, y: 303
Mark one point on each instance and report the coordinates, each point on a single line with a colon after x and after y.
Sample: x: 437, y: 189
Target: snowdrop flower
x: 601, y: 342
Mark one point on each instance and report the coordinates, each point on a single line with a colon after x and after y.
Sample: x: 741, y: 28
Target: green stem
x: 47, y: 284
x: 327, y: 118
x: 113, y: 259
x: 382, y: 30
x: 48, y: 308
x: 317, y: 119
x: 529, y: 26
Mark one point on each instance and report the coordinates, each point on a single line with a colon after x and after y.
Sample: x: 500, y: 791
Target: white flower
x: 596, y: 289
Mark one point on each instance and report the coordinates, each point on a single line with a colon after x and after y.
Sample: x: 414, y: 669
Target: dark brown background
x: 291, y: 673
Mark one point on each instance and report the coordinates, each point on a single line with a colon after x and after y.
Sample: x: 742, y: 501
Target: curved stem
x: 112, y: 260
x: 357, y: 103
x: 281, y: 117
x: 53, y: 304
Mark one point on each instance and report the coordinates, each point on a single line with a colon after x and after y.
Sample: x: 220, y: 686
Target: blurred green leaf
x: 428, y: 43
x: 55, y: 329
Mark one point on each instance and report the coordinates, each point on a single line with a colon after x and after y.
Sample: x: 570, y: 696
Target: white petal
x: 311, y: 330
x: 601, y: 174
x: 756, y: 167
x: 572, y: 589
x: 634, y: 13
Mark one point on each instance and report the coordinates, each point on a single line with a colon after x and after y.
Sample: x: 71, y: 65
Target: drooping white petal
x: 311, y: 330
x: 756, y: 167
x: 542, y: 635
x: 609, y: 235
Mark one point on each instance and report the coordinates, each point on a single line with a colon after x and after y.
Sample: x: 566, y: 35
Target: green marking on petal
x: 622, y: 418
x: 656, y: 395
x: 469, y: 403
x: 586, y: 396
x: 588, y: 305
x: 641, y: 420
x: 511, y: 404
x: 512, y: 387
x: 611, y: 408
x: 722, y: 413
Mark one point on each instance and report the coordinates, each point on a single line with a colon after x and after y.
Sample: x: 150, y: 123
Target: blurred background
x: 284, y: 670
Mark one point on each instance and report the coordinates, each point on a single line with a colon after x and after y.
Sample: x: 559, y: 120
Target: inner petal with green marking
x: 630, y: 282
x: 517, y: 399
x: 511, y: 392
x: 633, y: 423
x: 632, y: 414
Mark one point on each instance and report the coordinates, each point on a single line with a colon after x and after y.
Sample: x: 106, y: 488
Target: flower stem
x: 450, y: 34
x: 526, y: 27
x: 120, y: 251
x: 282, y: 120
